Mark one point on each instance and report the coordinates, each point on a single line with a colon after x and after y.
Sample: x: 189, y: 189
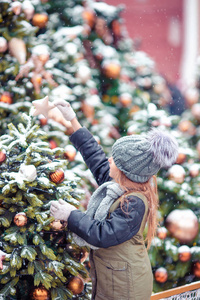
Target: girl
x: 125, y: 201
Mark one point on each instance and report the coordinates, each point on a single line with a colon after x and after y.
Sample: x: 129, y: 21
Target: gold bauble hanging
x: 40, y: 293
x: 76, y: 285
x: 6, y: 98
x: 58, y: 176
x: 183, y: 225
x: 20, y: 219
x: 58, y: 225
x: 40, y: 20
x: 112, y: 70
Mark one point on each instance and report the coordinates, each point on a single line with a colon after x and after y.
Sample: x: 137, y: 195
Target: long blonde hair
x: 149, y: 190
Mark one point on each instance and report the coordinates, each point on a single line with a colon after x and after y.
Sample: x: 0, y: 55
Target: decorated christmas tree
x: 39, y: 255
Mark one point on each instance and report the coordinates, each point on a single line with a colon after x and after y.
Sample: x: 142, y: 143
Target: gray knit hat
x: 141, y: 156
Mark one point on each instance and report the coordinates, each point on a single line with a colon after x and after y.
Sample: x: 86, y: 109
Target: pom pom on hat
x: 163, y: 146
x: 140, y: 157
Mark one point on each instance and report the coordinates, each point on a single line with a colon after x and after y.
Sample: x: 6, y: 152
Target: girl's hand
x: 66, y: 109
x: 61, y: 210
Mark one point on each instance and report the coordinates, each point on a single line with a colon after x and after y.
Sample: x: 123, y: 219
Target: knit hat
x: 141, y: 156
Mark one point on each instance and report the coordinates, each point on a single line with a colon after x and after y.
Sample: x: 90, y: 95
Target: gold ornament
x: 17, y: 48
x: 40, y: 20
x: 184, y: 253
x: 40, y: 293
x: 20, y: 219
x: 58, y: 225
x: 58, y: 176
x: 161, y: 275
x: 6, y: 98
x: 112, y: 70
x: 182, y: 225
x: 76, y: 285
x: 2, y: 156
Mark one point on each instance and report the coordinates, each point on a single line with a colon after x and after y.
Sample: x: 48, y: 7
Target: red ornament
x: 57, y: 176
x: 161, y: 275
x: 52, y: 144
x: 2, y: 156
x: 184, y: 253
x: 43, y: 121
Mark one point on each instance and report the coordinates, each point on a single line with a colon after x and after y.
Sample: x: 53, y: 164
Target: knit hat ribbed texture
x: 141, y: 156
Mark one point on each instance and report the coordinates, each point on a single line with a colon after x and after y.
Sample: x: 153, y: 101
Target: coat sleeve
x: 92, y: 154
x: 121, y: 225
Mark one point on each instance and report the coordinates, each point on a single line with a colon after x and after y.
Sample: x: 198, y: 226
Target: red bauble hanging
x: 184, y: 253
x: 52, y: 144
x: 58, y: 176
x: 161, y: 275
